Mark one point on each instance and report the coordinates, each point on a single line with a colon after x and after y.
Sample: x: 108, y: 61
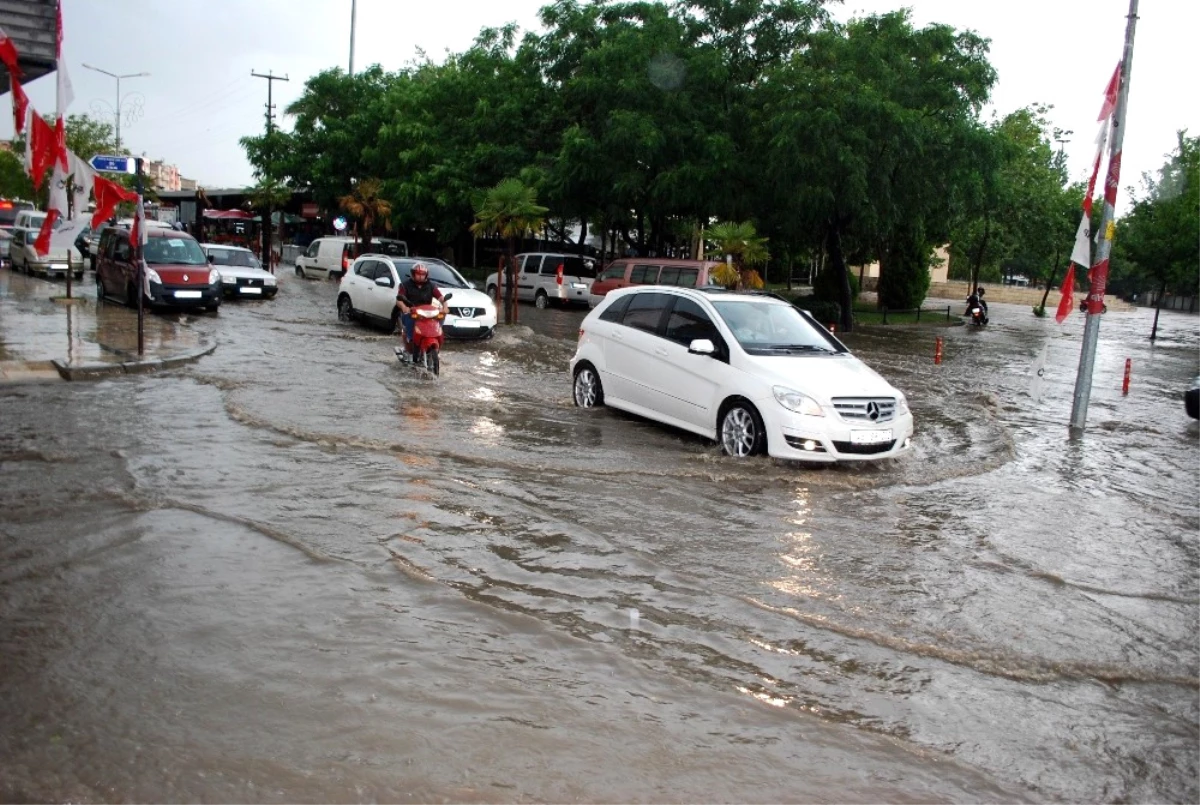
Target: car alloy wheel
x: 345, y: 308
x: 589, y: 393
x: 541, y: 301
x: 742, y: 431
x: 99, y: 289
x: 299, y: 270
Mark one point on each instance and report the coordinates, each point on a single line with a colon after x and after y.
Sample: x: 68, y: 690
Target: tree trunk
x: 1162, y: 291
x: 1053, y: 274
x: 987, y: 233
x: 510, y: 284
x: 834, y: 243
x: 583, y: 236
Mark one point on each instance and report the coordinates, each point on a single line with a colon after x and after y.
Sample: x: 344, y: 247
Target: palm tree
x: 742, y: 243
x: 509, y: 209
x: 367, y: 205
x: 265, y: 195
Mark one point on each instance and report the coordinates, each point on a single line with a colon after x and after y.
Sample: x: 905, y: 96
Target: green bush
x: 825, y: 286
x: 1039, y: 311
x: 825, y: 312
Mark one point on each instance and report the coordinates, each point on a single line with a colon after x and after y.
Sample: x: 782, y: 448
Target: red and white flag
x: 108, y: 195
x: 1110, y: 94
x: 1066, y: 302
x: 83, y: 181
x: 8, y: 54
x: 20, y: 102
x: 41, y: 148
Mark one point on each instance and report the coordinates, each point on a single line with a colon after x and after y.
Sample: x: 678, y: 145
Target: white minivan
x: 24, y: 257
x: 327, y: 258
x: 748, y: 370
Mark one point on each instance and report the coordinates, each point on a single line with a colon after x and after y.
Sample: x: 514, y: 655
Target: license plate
x: 870, y: 436
x: 466, y: 323
x: 187, y: 294
x: 249, y: 290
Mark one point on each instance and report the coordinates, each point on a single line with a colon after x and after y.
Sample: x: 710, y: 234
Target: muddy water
x: 296, y: 571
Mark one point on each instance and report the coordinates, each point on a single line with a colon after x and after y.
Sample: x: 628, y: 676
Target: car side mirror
x: 702, y: 346
x: 471, y: 285
x: 447, y: 297
x: 384, y: 282
x: 212, y: 258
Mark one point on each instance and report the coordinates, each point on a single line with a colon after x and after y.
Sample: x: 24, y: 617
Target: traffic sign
x: 114, y: 164
x: 339, y: 223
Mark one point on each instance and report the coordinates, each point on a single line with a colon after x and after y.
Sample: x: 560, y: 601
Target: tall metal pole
x: 137, y: 255
x: 353, y: 19
x: 118, y: 115
x: 1099, y: 273
x: 265, y: 212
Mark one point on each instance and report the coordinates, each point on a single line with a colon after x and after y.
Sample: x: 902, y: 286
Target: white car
x: 24, y: 257
x: 242, y: 274
x: 368, y: 291
x: 747, y: 370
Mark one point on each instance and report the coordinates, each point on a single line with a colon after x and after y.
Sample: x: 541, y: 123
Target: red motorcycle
x: 427, y: 336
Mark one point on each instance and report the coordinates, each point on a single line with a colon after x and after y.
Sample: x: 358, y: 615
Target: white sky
x: 200, y: 97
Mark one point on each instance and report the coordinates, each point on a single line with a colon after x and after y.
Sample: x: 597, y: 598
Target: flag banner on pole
x: 8, y: 55
x: 1082, y: 253
x: 1101, y: 141
x: 66, y: 92
x: 1067, y: 302
x: 42, y: 148
x: 1110, y: 94
x: 108, y: 195
x: 1037, y: 372
x: 137, y: 235
x: 42, y: 244
x: 84, y: 179
x: 1098, y: 279
x: 20, y: 102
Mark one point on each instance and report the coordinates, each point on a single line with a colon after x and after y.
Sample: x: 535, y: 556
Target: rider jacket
x: 414, y: 294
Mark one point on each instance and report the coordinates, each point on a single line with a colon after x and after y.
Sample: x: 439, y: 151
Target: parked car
x: 177, y: 272
x: 1191, y: 399
x: 242, y: 274
x: 126, y: 223
x: 626, y: 271
x: 24, y: 256
x: 368, y: 292
x: 327, y: 258
x: 748, y: 370
x: 545, y: 277
x: 6, y: 234
x: 389, y: 246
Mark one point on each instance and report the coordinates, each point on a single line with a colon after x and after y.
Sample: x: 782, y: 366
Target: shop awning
x: 228, y: 215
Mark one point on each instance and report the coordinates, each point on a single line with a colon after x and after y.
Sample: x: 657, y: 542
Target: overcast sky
x: 200, y: 97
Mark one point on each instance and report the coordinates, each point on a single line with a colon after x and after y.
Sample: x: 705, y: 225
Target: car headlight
x: 228, y: 280
x: 269, y: 281
x: 795, y: 401
x: 152, y: 276
x: 214, y: 277
x: 901, y: 404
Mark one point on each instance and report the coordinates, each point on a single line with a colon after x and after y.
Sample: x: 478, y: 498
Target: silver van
x: 545, y: 277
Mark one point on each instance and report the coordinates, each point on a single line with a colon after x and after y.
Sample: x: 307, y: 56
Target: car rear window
x: 645, y: 311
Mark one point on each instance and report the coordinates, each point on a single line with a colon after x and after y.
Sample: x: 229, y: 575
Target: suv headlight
x: 269, y: 281
x: 214, y: 277
x: 795, y: 401
x: 228, y: 279
x: 901, y: 404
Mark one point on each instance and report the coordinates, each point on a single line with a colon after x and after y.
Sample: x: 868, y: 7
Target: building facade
x: 163, y: 176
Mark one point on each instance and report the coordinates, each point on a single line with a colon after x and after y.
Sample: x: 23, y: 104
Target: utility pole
x: 265, y: 213
x: 1099, y: 272
x: 353, y: 20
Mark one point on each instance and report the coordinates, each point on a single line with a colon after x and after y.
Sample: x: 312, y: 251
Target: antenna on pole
x: 265, y: 212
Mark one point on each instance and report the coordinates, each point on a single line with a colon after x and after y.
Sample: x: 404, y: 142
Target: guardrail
x: 884, y: 311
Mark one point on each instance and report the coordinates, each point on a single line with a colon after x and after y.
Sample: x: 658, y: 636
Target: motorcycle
x: 978, y: 317
x: 427, y: 337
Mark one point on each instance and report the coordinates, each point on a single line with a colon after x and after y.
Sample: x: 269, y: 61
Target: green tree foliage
x: 367, y: 205
x: 509, y: 210
x: 741, y: 242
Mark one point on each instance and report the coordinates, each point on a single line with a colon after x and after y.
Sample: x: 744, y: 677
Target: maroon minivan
x: 177, y: 272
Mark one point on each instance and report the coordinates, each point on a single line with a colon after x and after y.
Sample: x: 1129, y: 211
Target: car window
x: 365, y: 269
x: 644, y: 275
x: 769, y: 327
x: 580, y: 267
x: 382, y: 269
x: 550, y: 264
x: 173, y: 251
x: 403, y: 268
x: 121, y: 249
x: 231, y: 257
x: 614, y: 272
x: 532, y: 262
x: 688, y: 277
x: 645, y: 311
x: 313, y: 248
x: 688, y: 321
x: 616, y: 310
x: 444, y: 276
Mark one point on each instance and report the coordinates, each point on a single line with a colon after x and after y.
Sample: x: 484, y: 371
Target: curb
x: 97, y: 371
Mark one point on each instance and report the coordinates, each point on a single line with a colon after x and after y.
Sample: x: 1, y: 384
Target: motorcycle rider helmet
x: 420, y: 273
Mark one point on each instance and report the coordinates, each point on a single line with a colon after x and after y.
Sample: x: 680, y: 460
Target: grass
x: 932, y: 316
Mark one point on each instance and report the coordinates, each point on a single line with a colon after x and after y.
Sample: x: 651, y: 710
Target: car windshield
x: 174, y: 251
x: 769, y: 328
x: 441, y: 274
x: 232, y: 257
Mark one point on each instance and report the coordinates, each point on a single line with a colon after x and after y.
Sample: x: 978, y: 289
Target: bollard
x: 937, y: 351
x: 1125, y: 383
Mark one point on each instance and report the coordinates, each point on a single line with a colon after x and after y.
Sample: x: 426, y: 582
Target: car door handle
x: 617, y: 336
x: 661, y: 353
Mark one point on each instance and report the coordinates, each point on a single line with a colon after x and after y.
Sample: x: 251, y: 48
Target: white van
x: 545, y: 277
x: 24, y: 257
x: 327, y: 258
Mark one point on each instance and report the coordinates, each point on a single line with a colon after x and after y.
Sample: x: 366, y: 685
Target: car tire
x: 299, y: 271
x: 741, y: 430
x: 345, y: 308
x: 541, y: 301
x: 336, y: 275
x: 396, y: 325
x: 99, y: 289
x: 587, y: 389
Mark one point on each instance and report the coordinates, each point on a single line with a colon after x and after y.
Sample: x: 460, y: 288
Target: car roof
x: 159, y: 232
x: 229, y: 246
x: 668, y: 261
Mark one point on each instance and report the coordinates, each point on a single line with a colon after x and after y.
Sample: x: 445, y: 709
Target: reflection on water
x: 382, y: 573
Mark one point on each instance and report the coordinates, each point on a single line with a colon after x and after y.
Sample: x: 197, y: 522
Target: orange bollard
x: 1128, y: 368
x: 937, y: 351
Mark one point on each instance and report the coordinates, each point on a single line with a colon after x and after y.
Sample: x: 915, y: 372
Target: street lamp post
x: 117, y: 108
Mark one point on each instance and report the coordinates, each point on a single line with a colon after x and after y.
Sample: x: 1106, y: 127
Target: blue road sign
x: 111, y: 164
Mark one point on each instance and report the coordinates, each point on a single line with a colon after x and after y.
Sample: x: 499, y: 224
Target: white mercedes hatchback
x: 748, y: 370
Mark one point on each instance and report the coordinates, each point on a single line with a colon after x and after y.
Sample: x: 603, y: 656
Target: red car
x: 177, y: 272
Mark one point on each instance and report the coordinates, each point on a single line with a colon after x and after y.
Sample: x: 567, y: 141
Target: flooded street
x: 294, y: 571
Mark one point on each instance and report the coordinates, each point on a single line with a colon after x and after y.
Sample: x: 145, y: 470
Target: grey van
x: 545, y: 277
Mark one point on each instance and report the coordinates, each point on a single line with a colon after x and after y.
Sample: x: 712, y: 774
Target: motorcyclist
x: 976, y: 299
x: 415, y: 291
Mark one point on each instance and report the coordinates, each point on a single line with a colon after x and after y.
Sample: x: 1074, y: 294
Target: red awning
x: 227, y: 215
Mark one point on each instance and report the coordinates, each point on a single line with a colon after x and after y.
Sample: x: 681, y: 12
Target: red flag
x: 42, y: 244
x: 1098, y: 279
x: 1110, y: 93
x: 20, y: 105
x: 8, y: 54
x: 1067, y: 302
x: 60, y: 144
x: 108, y: 195
x: 42, y: 149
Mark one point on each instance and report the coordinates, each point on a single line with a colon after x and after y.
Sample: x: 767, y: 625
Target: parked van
x: 24, y: 257
x: 177, y: 272
x: 626, y: 271
x: 544, y: 277
x: 327, y: 258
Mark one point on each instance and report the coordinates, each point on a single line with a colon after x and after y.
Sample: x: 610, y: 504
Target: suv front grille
x: 466, y: 312
x: 865, y: 409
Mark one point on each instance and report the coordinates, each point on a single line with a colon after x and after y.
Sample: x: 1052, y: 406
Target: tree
x: 509, y: 209
x: 741, y: 242
x: 367, y: 204
x: 265, y: 195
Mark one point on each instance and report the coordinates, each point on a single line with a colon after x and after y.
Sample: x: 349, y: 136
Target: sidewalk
x: 46, y: 338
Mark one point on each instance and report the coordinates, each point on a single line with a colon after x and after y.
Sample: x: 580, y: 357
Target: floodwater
x: 295, y: 571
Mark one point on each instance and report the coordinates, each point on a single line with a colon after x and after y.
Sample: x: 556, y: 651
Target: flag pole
x: 1099, y: 274
x: 139, y: 222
